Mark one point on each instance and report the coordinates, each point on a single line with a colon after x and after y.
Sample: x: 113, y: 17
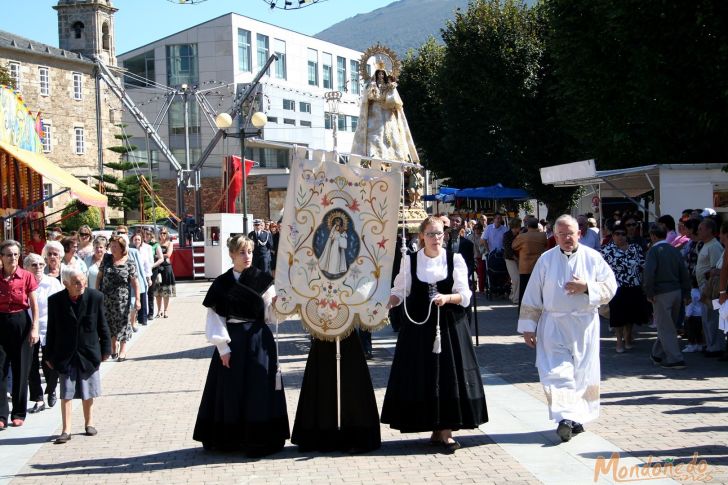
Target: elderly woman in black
x: 77, y: 342
x: 435, y: 383
x: 629, y: 305
x: 243, y: 406
x: 18, y: 331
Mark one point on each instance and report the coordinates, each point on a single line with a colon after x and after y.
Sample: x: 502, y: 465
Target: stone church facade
x: 60, y: 83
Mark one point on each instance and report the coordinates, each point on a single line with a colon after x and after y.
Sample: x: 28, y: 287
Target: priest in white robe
x: 559, y: 318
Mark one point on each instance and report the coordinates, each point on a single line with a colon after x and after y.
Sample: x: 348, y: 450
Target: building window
x: 280, y: 51
x: 307, y: 124
x: 354, y: 122
x: 182, y: 64
x: 289, y: 105
x: 176, y: 117
x: 105, y: 37
x: 79, y: 141
x: 341, y: 73
x: 244, y: 51
x: 44, y: 78
x: 313, y: 67
x: 14, y: 69
x: 354, y: 79
x: 77, y: 86
x: 288, y: 121
x: 46, y: 139
x: 328, y: 73
x: 342, y: 122
x: 77, y: 28
x: 328, y: 125
x: 272, y: 119
x: 304, y: 107
x: 47, y: 192
x: 140, y: 70
x: 263, y: 50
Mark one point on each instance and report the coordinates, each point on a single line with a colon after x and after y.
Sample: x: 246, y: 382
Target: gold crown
x: 380, y: 65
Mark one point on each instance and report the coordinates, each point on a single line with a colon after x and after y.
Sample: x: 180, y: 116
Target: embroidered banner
x: 337, y: 247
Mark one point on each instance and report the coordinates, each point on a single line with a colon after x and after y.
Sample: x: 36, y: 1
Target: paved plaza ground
x: 146, y: 415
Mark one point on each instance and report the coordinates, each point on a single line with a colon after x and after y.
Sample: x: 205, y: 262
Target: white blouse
x: 432, y: 270
x: 216, y: 328
x: 47, y: 286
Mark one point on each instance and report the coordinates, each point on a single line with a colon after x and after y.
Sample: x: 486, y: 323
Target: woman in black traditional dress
x: 435, y: 383
x: 243, y: 405
x: 315, y: 428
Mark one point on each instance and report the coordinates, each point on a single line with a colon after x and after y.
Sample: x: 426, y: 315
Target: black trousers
x: 16, y: 353
x: 522, y: 289
x: 51, y: 376
x: 150, y: 297
x: 142, y: 315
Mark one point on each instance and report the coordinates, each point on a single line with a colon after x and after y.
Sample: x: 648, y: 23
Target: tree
x: 5, y: 77
x: 123, y: 192
x: 641, y: 82
x: 480, y: 114
x: 82, y: 214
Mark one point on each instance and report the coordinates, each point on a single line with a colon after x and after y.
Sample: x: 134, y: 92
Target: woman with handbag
x: 166, y: 286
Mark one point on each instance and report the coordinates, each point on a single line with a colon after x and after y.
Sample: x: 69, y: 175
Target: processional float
x: 339, y: 229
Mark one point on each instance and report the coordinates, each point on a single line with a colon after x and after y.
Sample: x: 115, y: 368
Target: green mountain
x: 401, y: 25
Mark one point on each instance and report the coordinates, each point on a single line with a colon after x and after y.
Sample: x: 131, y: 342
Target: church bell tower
x: 87, y: 27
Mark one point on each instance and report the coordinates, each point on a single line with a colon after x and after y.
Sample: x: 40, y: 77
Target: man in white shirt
x: 708, y: 258
x: 559, y: 319
x: 493, y: 235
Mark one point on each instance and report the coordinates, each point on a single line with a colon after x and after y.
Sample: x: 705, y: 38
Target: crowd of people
x: 667, y: 275
x: 69, y: 302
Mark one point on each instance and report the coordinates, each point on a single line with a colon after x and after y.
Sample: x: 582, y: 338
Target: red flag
x: 236, y: 180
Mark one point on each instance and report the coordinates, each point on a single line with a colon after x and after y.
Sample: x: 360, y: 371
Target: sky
x: 139, y: 22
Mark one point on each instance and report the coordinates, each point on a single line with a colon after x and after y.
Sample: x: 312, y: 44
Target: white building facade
x: 218, y: 56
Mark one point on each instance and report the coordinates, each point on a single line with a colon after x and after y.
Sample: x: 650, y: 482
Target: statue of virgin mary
x: 383, y: 131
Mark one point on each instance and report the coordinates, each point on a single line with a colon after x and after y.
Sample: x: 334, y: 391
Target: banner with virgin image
x: 337, y: 246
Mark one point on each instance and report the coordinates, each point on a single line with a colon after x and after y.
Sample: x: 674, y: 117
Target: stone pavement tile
x: 146, y: 415
x: 646, y: 410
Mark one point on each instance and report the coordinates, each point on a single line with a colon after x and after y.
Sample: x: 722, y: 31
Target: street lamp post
x: 258, y: 120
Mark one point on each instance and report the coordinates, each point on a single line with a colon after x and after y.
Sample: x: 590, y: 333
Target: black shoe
x: 655, y: 360
x: 674, y: 365
x: 63, y: 439
x: 723, y: 358
x: 564, y: 430
x: 91, y: 431
x: 39, y: 406
x: 368, y: 355
x: 715, y: 353
x: 577, y: 428
x: 52, y: 399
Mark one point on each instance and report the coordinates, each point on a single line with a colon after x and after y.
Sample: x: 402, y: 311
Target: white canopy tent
x: 676, y: 186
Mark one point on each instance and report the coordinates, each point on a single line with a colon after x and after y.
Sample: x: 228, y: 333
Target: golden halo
x: 341, y: 215
x: 380, y: 53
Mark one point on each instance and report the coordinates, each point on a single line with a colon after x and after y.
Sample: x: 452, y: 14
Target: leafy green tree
x: 123, y: 192
x: 477, y: 107
x: 641, y: 82
x: 82, y: 214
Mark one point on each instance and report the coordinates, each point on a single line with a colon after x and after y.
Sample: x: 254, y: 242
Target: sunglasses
x: 631, y: 224
x: 620, y: 233
x: 85, y: 234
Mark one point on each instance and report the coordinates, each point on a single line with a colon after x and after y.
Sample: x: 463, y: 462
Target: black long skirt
x: 428, y: 391
x: 628, y: 307
x: 241, y: 408
x: 315, y: 426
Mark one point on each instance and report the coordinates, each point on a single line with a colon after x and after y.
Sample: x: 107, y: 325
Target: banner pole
x: 338, y: 383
